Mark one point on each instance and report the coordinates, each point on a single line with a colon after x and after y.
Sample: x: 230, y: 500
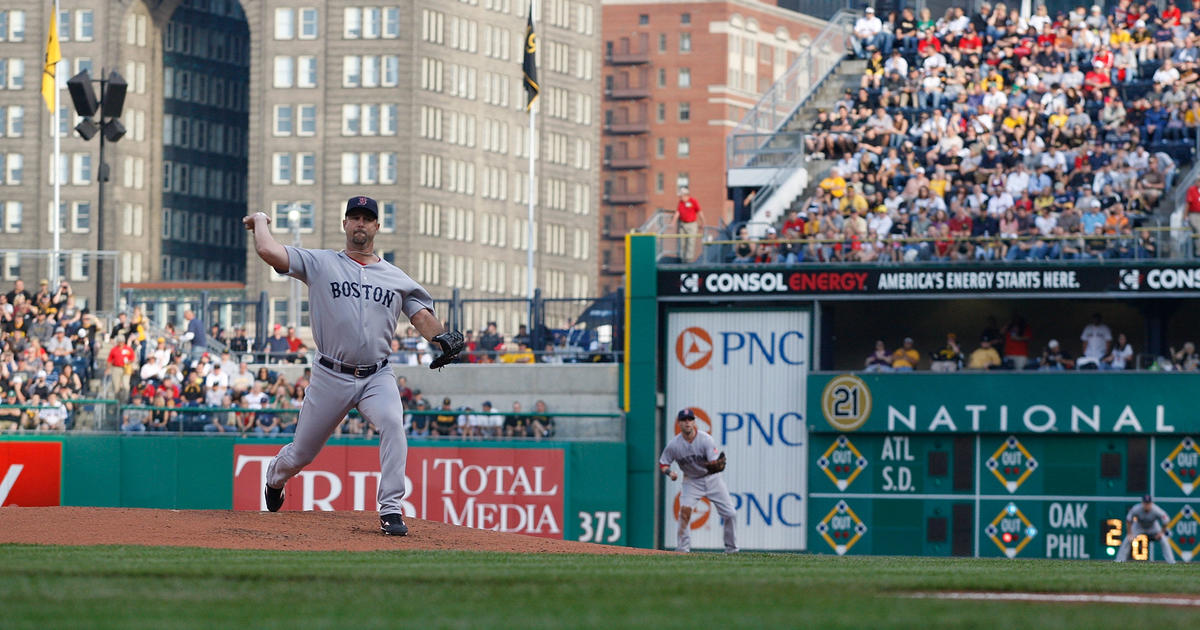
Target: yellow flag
x: 53, y: 56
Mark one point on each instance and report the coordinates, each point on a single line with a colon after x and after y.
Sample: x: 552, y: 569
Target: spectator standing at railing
x: 194, y: 333
x: 277, y: 346
x: 1097, y: 341
x: 489, y: 342
x: 120, y: 365
x: 688, y: 221
x: 1193, y: 214
x: 239, y: 344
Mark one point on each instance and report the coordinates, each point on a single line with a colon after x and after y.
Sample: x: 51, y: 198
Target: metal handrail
x: 782, y: 174
x: 794, y: 87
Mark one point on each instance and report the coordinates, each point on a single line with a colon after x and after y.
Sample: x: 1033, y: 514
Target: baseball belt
x: 357, y: 371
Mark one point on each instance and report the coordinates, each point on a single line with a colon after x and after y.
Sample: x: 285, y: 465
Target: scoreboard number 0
x: 846, y: 402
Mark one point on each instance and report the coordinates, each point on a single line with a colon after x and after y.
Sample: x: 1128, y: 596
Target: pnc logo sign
x: 30, y: 473
x: 694, y: 348
x: 703, y: 422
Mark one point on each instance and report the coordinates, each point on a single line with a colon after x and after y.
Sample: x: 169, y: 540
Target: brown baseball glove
x: 717, y: 465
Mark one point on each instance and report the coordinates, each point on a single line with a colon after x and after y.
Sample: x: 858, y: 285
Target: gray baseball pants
x: 329, y: 397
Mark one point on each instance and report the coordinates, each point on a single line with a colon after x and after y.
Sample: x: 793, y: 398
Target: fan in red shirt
x: 688, y: 223
x: 1171, y: 15
x: 970, y: 42
x: 929, y: 41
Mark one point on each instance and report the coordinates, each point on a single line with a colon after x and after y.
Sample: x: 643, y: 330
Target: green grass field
x: 165, y: 588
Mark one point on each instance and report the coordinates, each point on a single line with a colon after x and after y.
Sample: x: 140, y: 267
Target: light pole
x: 293, y: 216
x: 109, y: 127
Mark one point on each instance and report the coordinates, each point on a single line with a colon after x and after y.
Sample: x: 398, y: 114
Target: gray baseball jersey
x: 690, y: 455
x: 1149, y: 521
x: 355, y: 307
x: 354, y: 310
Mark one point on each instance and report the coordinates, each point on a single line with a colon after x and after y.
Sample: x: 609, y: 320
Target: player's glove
x: 452, y: 343
x: 717, y: 465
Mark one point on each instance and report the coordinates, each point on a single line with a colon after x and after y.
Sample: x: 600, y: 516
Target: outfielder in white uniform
x: 1149, y: 519
x: 698, y: 457
x: 355, y: 300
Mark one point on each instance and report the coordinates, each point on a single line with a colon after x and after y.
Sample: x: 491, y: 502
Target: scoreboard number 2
x: 1113, y: 535
x: 846, y: 402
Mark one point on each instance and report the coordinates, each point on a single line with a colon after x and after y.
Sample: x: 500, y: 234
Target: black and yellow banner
x: 529, y: 63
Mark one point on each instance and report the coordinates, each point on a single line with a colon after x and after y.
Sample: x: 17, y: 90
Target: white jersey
x: 355, y: 307
x: 690, y: 455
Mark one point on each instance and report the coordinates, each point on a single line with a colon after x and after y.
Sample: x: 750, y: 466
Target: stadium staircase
x: 765, y: 152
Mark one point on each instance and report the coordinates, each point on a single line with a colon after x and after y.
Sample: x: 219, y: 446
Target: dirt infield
x: 283, y: 531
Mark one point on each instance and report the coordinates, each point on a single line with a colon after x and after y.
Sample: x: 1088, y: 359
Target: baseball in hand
x: 249, y: 221
x: 674, y: 476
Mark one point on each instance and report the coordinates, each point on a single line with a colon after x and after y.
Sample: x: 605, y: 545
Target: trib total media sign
x: 509, y: 490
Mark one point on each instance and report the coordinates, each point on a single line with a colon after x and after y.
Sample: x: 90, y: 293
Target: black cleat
x: 392, y: 525
x: 274, y: 498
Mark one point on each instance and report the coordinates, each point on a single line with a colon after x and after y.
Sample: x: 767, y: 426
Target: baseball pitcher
x: 701, y: 464
x: 1149, y: 519
x: 355, y: 299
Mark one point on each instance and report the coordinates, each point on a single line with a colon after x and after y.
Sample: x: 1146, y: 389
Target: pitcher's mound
x: 294, y: 531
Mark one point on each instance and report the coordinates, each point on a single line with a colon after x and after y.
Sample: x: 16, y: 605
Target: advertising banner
x: 1132, y: 280
x: 744, y: 375
x: 501, y: 489
x: 30, y: 473
x: 1080, y: 403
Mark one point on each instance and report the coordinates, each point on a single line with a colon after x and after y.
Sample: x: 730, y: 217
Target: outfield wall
x: 548, y: 489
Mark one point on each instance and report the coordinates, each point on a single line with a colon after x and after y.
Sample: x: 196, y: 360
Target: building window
x: 11, y: 221
x: 308, y: 120
x: 660, y: 113
x: 662, y: 42
x: 685, y: 111
x: 662, y: 77
x: 352, y: 24
x: 658, y: 183
x: 281, y: 170
x: 283, y: 120
x: 685, y: 77
x: 285, y: 23
x: 351, y: 120
x: 84, y: 26
x: 643, y: 19
x: 660, y: 147
x: 308, y: 23
x: 685, y: 18
x: 685, y: 42
x: 81, y: 216
x: 387, y: 217
x: 307, y: 74
x: 307, y: 172
x: 684, y: 148
x: 285, y: 70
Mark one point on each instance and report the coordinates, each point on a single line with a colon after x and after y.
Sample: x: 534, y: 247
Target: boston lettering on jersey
x: 381, y: 295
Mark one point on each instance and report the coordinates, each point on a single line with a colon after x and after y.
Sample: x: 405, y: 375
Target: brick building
x: 678, y: 76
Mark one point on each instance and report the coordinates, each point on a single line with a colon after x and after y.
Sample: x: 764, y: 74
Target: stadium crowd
x: 53, y: 355
x: 1012, y: 347
x: 996, y: 136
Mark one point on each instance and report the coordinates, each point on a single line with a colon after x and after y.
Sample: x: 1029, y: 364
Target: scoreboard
x: 1041, y: 465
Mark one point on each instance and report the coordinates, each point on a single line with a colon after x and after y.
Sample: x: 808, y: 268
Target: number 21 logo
x: 846, y: 402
